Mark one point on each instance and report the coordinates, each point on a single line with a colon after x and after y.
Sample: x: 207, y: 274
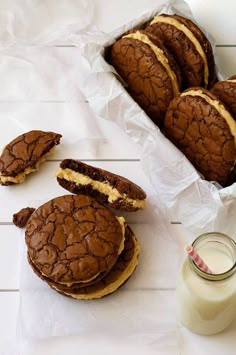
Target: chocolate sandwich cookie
x: 24, y: 154
x: 204, y: 130
x: 225, y: 90
x: 72, y: 239
x: 108, y: 188
x: 189, y: 46
x: 149, y: 70
x: 117, y: 276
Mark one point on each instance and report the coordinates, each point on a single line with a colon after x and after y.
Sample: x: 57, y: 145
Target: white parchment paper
x: 33, y: 22
x: 200, y: 205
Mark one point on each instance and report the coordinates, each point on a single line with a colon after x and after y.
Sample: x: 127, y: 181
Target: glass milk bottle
x: 206, y: 303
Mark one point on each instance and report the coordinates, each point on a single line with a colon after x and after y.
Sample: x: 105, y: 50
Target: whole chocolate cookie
x: 117, y: 276
x: 108, y: 188
x: 151, y: 74
x: 202, y: 128
x: 73, y: 238
x: 189, y: 46
x: 225, y: 90
x: 24, y: 154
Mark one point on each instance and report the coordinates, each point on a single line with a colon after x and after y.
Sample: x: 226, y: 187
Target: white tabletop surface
x: 217, y: 17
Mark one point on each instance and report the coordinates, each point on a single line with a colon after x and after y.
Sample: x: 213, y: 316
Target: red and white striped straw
x: 197, y: 259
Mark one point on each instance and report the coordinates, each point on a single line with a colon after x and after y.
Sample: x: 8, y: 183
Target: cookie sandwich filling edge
x: 103, y: 187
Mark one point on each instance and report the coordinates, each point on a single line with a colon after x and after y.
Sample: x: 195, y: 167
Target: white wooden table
x: 217, y: 17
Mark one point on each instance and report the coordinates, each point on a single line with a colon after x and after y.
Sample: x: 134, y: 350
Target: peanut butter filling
x: 218, y: 106
x: 160, y: 57
x: 174, y: 22
x: 103, y: 187
x: 114, y: 285
x: 19, y: 178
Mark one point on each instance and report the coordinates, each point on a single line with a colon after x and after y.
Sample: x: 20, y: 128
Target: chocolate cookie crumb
x: 20, y: 218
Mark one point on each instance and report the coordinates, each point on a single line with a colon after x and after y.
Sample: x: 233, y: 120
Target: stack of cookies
x: 169, y: 69
x: 75, y: 242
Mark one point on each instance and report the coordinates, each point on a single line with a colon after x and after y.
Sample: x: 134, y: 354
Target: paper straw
x: 197, y: 259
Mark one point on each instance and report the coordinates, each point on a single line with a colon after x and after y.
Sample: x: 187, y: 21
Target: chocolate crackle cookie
x: 205, y: 131
x: 108, y: 188
x: 117, y: 276
x: 225, y: 90
x: 80, y: 248
x: 189, y: 46
x: 24, y: 154
x: 73, y: 239
x: 149, y: 70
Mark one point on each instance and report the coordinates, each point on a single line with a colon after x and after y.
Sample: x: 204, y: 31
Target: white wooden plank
x: 84, y: 135
x: 226, y: 59
x: 10, y: 256
x: 42, y: 186
x: 40, y: 73
x: 9, y: 302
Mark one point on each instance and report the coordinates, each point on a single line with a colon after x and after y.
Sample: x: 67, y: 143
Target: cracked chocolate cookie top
x: 73, y: 239
x: 120, y: 272
x: 225, y: 90
x: 202, y: 128
x: 150, y: 72
x: 24, y: 154
x: 189, y: 46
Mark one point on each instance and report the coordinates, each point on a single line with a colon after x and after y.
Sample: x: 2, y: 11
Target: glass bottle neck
x: 220, y: 242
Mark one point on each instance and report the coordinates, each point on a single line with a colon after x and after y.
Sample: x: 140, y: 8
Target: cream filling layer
x: 110, y: 288
x: 231, y: 81
x: 121, y: 220
x: 218, y: 106
x: 160, y: 57
x: 18, y: 179
x: 172, y: 21
x: 103, y: 187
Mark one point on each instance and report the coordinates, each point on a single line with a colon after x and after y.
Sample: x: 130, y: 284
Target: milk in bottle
x: 206, y: 303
